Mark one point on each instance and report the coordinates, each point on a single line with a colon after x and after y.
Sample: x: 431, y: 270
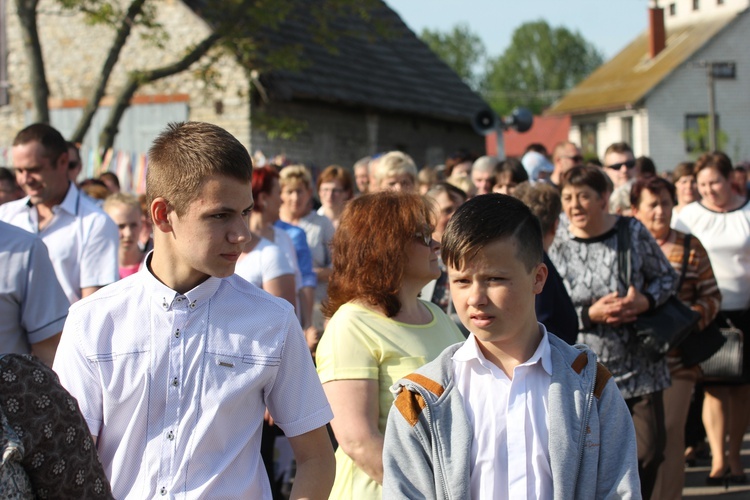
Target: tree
x: 539, y: 65
x: 461, y: 49
x: 236, y: 26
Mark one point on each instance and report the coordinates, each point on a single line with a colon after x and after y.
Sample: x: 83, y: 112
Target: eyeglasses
x: 424, y: 237
x: 617, y: 166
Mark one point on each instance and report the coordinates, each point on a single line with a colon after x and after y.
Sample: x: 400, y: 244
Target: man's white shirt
x: 175, y: 386
x: 81, y: 239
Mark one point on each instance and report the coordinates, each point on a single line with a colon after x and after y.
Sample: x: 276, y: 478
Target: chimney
x: 657, y: 37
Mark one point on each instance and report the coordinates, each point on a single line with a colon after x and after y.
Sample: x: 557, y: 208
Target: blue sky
x: 608, y: 24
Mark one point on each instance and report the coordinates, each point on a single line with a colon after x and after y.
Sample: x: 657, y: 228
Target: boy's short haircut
x: 185, y: 155
x: 485, y: 219
x: 126, y: 199
x: 294, y: 174
x: 395, y: 163
x: 50, y: 139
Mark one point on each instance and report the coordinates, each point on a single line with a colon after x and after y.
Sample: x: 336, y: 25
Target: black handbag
x: 700, y: 344
x: 664, y: 327
x: 726, y: 364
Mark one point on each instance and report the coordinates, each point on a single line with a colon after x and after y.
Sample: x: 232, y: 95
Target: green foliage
x: 461, y: 49
x: 279, y: 127
x: 537, y: 67
x: 697, y: 138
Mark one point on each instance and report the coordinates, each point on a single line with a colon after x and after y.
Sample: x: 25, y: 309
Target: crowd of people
x: 469, y: 324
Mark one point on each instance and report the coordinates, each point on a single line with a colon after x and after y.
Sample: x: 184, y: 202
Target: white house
x: 658, y: 87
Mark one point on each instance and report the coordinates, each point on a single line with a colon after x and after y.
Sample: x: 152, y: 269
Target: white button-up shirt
x: 81, y: 239
x: 175, y: 386
x: 510, y: 422
x: 33, y: 307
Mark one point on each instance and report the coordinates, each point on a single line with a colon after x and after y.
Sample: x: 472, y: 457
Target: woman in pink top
x: 125, y: 210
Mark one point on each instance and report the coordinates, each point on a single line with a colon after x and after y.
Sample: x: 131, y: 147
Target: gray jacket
x: 592, y: 444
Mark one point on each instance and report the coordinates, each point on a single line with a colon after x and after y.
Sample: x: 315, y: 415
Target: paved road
x: 695, y: 476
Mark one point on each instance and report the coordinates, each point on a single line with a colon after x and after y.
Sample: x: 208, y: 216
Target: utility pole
x: 711, y: 107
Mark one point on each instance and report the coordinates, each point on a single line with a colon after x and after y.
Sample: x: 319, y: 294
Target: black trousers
x: 651, y: 437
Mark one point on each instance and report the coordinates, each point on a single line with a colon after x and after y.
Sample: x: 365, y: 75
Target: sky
x: 608, y: 24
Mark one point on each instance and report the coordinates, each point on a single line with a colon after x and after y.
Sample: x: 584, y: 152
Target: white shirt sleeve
x: 45, y: 305
x: 76, y: 373
x: 296, y: 399
x: 99, y: 255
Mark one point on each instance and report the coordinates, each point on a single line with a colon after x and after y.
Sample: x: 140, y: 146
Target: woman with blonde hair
x: 379, y: 329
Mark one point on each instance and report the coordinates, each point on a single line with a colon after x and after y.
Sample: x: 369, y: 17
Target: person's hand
x: 267, y: 417
x: 633, y: 304
x: 605, y: 309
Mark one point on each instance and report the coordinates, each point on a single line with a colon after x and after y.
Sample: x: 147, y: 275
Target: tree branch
x: 26, y: 10
x: 138, y: 78
x: 123, y: 32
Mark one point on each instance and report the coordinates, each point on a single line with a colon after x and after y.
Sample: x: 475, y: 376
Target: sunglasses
x: 617, y: 166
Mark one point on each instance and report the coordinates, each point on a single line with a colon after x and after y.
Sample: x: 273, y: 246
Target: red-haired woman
x: 379, y: 331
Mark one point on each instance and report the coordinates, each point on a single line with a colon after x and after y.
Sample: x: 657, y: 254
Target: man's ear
x: 62, y: 161
x: 160, y: 214
x: 540, y: 277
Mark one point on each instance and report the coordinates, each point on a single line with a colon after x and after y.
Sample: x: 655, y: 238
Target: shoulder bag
x: 725, y: 365
x: 662, y: 328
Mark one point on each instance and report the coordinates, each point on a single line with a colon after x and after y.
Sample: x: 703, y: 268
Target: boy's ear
x: 540, y: 277
x: 160, y: 212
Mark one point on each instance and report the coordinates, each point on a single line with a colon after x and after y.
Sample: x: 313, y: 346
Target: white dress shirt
x: 33, y: 307
x: 175, y: 386
x: 81, y: 239
x: 510, y: 422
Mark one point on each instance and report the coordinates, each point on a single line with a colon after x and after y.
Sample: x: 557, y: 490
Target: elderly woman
x: 335, y: 188
x: 394, y: 171
x: 586, y: 257
x: 379, y: 331
x: 686, y: 188
x: 652, y: 201
x: 721, y: 220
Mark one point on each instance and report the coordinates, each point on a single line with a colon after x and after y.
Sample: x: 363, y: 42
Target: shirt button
x: 177, y: 333
x: 175, y: 382
x: 170, y: 435
x: 163, y: 491
x: 192, y: 305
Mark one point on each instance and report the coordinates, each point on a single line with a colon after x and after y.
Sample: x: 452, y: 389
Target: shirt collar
x: 69, y: 203
x: 470, y: 351
x: 165, y: 298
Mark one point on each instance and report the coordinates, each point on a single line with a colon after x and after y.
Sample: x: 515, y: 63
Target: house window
x: 696, y: 4
x: 3, y: 56
x: 672, y: 9
x: 588, y: 139
x: 696, y: 132
x: 627, y: 129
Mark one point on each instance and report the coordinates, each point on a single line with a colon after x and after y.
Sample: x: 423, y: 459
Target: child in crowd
x: 174, y: 366
x: 513, y: 412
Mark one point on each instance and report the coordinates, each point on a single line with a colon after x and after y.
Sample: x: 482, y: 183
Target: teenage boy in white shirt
x: 174, y: 366
x: 513, y: 412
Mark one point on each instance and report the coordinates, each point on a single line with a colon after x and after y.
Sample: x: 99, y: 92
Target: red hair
x: 262, y: 182
x: 369, y: 249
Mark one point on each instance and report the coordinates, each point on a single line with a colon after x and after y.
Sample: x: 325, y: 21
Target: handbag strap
x: 685, y: 259
x: 623, y: 251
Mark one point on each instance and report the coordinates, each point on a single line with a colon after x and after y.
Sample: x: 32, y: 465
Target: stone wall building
x: 370, y: 93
